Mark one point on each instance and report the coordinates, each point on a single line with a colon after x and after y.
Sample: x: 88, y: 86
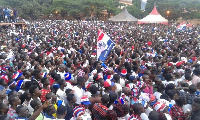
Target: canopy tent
x: 153, y: 17
x: 124, y: 16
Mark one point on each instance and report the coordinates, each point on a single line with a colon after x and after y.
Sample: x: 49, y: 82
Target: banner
x: 104, y: 45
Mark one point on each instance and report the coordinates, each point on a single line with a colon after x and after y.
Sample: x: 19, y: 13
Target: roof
x: 124, y: 16
x: 153, y: 17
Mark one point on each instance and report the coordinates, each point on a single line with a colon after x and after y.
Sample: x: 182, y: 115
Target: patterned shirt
x: 134, y: 117
x: 99, y: 111
x: 177, y: 113
x: 43, y: 94
x: 12, y: 114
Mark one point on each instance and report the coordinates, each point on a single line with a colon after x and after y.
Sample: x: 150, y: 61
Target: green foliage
x: 32, y: 9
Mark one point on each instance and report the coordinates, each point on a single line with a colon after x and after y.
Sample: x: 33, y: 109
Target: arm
x: 37, y: 113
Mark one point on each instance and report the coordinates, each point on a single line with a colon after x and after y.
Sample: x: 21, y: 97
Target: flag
x: 182, y: 26
x: 104, y: 45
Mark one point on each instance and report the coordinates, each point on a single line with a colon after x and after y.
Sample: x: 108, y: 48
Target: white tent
x: 124, y: 16
x: 153, y: 17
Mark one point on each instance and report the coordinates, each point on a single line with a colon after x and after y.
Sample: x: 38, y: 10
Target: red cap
x: 179, y: 64
x: 170, y: 64
x: 149, y: 43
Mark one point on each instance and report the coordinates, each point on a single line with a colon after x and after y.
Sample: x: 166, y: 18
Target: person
x: 61, y: 112
x: 195, y: 108
x: 138, y: 110
x: 14, y: 101
x: 48, y: 112
x: 196, y: 78
x: 94, y: 97
x: 36, y: 104
x: 153, y: 115
x: 46, y: 88
x: 176, y: 111
x: 61, y: 92
x: 99, y: 110
x: 70, y: 106
x: 35, y: 94
x: 23, y: 113
x: 3, y: 108
x: 78, y: 91
x: 82, y: 110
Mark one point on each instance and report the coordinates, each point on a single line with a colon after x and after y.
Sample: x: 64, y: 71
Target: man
x: 138, y: 110
x: 35, y: 94
x: 13, y: 101
x: 94, y: 97
x: 195, y: 108
x: 61, y: 92
x: 99, y: 110
x: 36, y: 104
x: 61, y: 112
x: 78, y: 91
x: 70, y: 106
x: 48, y: 112
x: 23, y: 112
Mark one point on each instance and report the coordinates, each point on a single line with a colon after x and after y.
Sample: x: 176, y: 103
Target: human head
x: 81, y: 81
x: 22, y: 111
x: 35, y: 104
x: 138, y: 109
x: 45, y: 81
x: 62, y: 83
x: 172, y: 94
x: 2, y: 94
x: 153, y: 115
x: 3, y: 109
x: 196, y: 105
x: 71, y: 98
x: 126, y: 91
x: 14, y: 100
x: 93, y: 89
x: 68, y: 91
x: 105, y: 99
x: 34, y: 91
x: 50, y: 110
x: 192, y: 89
x: 180, y: 101
x: 61, y: 112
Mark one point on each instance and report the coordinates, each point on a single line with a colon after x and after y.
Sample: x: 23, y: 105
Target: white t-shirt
x: 78, y: 93
x: 60, y: 94
x: 157, y: 95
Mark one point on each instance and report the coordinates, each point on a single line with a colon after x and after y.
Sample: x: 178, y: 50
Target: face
x: 37, y: 92
x: 4, y: 109
x: 74, y: 99
x: 17, y: 101
x: 24, y: 112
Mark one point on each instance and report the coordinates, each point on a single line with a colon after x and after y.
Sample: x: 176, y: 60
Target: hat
x: 159, y: 106
x: 170, y: 64
x: 67, y: 76
x: 132, y: 77
x: 108, y: 77
x: 108, y: 83
x: 149, y: 43
x: 85, y: 100
x: 123, y: 72
x: 78, y: 111
x: 17, y: 75
x: 179, y: 64
x: 19, y: 84
x: 44, y: 74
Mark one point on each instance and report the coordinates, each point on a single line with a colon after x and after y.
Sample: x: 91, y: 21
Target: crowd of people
x: 50, y: 71
x: 8, y: 15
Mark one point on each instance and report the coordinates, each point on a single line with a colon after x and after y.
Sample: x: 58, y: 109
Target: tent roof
x: 123, y: 16
x: 153, y: 17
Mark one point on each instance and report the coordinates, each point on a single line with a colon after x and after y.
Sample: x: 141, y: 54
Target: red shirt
x: 43, y: 94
